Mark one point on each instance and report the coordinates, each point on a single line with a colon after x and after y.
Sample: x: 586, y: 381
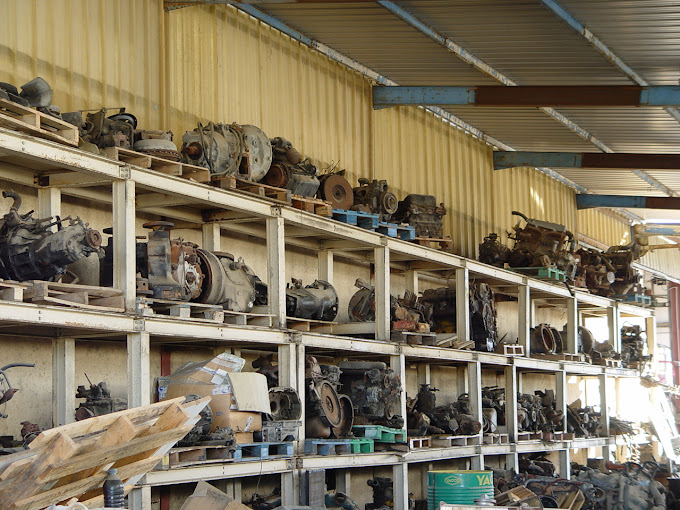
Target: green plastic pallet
x: 542, y: 273
x: 380, y: 434
x: 363, y: 445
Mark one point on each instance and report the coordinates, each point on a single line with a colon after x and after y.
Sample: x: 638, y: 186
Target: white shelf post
x: 604, y: 414
x: 277, y: 267
x: 49, y: 204
x: 291, y: 362
x: 572, y: 325
x: 400, y: 485
x: 474, y: 389
x: 138, y: 370
x: 524, y: 318
x: 614, y: 325
x: 290, y: 485
x: 211, y: 237
x: 326, y: 265
x: 398, y: 364
x: 383, y: 322
x: 463, y: 304
x: 411, y: 276
x: 511, y: 402
x: 124, y: 265
x: 140, y: 498
x: 63, y: 381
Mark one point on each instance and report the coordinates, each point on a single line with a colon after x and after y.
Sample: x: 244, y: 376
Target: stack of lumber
x: 72, y: 460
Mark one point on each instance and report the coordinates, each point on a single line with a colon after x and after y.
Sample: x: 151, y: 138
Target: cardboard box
x: 207, y: 497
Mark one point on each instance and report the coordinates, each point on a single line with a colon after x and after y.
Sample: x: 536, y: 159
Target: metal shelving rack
x: 69, y: 171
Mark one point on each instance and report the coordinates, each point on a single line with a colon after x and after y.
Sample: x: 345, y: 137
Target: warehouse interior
x: 357, y: 254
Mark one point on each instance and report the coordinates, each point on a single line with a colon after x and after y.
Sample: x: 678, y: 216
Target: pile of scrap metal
x: 328, y: 412
x: 440, y: 306
x: 30, y: 250
x: 36, y: 93
x: 426, y: 418
x: 634, y: 347
x: 98, y: 401
x: 407, y: 313
x: 584, y: 421
x: 289, y: 170
x: 537, y: 244
x: 535, y: 413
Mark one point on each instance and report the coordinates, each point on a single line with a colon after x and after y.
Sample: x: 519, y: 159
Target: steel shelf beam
x: 599, y: 160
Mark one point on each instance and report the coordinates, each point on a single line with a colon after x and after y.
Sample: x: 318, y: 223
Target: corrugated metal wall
x: 220, y: 64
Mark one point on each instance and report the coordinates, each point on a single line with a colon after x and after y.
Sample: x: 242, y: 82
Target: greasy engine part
x: 227, y: 281
x: 36, y: 93
x: 317, y: 301
x: 538, y: 412
x: 422, y: 213
x: 621, y: 258
x: 375, y: 197
x: 493, y: 403
x: 98, y: 401
x: 383, y: 493
x: 29, y: 431
x: 288, y: 170
x: 595, y: 271
x: 406, y: 314
x: 483, y: 327
x: 603, y: 350
x: 546, y: 340
x: 285, y: 403
x: 583, y: 421
x: 157, y: 143
x: 229, y: 149
x: 265, y: 365
x: 29, y: 250
x: 327, y: 412
x: 536, y: 465
x: 375, y: 392
x: 584, y: 338
x: 334, y: 500
x: 451, y: 418
x: 634, y: 347
x: 6, y: 390
x: 103, y: 130
x: 493, y: 252
x: 337, y: 190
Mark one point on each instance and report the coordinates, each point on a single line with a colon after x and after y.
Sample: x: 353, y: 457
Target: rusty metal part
x: 327, y: 414
x: 98, y: 401
x: 285, y: 403
x: 634, y: 346
x: 543, y: 339
x: 288, y: 170
x: 103, y: 130
x: 6, y: 389
x: 492, y: 252
x: 29, y: 250
x: 157, y: 143
x: 318, y: 301
x: 228, y: 282
x: 406, y: 313
x: 29, y: 431
x: 375, y: 392
x: 422, y: 213
x: 265, y: 365
x: 229, y: 149
x: 336, y: 190
x: 375, y: 197
x: 159, y: 268
x: 186, y: 268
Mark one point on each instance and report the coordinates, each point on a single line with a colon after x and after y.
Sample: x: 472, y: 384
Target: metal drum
x: 457, y: 487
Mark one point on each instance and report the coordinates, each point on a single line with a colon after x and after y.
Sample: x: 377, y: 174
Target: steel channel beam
x: 528, y: 96
x: 590, y: 201
x: 612, y: 161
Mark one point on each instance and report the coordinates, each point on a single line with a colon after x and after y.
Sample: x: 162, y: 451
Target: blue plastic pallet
x: 252, y: 451
x: 403, y: 232
x: 328, y: 446
x: 358, y: 218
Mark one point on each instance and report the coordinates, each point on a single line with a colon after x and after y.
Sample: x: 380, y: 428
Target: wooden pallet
x: 563, y: 436
x: 253, y: 188
x: 495, y: 438
x: 444, y: 441
x: 542, y: 273
x: 180, y: 309
x: 103, y: 299
x: 308, y: 325
x: 513, y: 350
x: 31, y: 121
x: 380, y: 434
x: 195, y: 455
x: 327, y: 447
x: 261, y: 451
x: 71, y: 461
x: 312, y: 205
x: 419, y: 442
x: 607, y: 362
x: 413, y: 338
x: 248, y: 319
x: 438, y: 243
x: 176, y: 168
x: 529, y: 436
x: 451, y: 340
x: 563, y: 356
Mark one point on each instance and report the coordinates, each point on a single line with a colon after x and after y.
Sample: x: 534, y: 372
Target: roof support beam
x: 528, y: 96
x: 170, y: 5
x: 615, y: 161
x: 632, y: 202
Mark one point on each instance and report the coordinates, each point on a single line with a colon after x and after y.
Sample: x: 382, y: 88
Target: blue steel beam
x: 613, y: 161
x: 632, y: 202
x: 528, y: 96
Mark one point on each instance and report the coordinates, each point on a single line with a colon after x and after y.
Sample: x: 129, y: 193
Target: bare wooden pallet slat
x: 176, y: 168
x: 33, y: 122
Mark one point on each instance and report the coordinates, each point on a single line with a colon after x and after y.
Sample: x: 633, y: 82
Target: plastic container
x: 114, y: 492
x: 457, y: 487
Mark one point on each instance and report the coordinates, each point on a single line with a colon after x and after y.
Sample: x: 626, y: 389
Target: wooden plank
x: 60, y: 448
x: 137, y: 415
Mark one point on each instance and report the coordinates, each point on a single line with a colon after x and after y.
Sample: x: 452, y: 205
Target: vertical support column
x: 524, y: 318
x: 63, y: 381
x: 276, y: 260
x: 477, y: 462
x: 650, y: 330
x: 140, y: 499
x: 424, y: 373
x: 614, y: 325
x: 511, y: 402
x: 604, y: 414
x: 290, y: 483
x: 561, y: 395
x: 564, y: 468
x: 572, y: 325
x: 138, y: 369
x: 512, y: 461
x: 291, y: 361
x: 326, y: 265
x: 124, y: 266
x: 474, y: 390
x: 411, y: 277
x: 463, y: 303
x: 49, y: 203
x: 212, y: 237
x: 343, y: 481
x: 383, y: 321
x: 398, y: 364
x: 400, y: 479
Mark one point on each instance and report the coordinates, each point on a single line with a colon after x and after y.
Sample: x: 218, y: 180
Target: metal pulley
x: 336, y: 190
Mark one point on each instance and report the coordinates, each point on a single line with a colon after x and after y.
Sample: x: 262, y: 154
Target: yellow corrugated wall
x: 175, y: 69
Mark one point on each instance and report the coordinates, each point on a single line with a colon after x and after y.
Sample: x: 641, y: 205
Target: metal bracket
x: 478, y: 450
x: 276, y: 210
x: 125, y: 172
x: 138, y: 325
x: 295, y: 338
x: 398, y: 349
